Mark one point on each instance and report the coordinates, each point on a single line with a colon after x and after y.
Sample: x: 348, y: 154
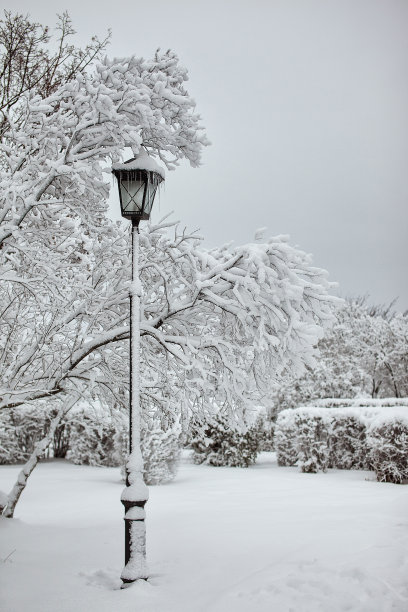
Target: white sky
x: 305, y: 103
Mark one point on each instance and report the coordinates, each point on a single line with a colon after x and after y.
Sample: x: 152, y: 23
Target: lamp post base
x: 135, y: 542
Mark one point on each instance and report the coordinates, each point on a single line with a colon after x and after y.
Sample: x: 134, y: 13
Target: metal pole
x: 135, y: 495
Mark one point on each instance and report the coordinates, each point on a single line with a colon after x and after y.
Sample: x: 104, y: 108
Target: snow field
x: 261, y: 539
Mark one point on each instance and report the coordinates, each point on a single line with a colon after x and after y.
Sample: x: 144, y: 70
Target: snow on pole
x: 135, y: 495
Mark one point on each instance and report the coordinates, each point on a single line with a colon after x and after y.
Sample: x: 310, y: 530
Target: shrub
x: 10, y: 449
x: 161, y: 451
x: 90, y: 436
x: 348, y: 443
x: 361, y: 402
x: 345, y: 438
x: 20, y: 430
x: 302, y: 437
x: 121, y: 447
x: 220, y: 444
x: 61, y: 438
x: 92, y: 442
x: 312, y: 440
x: 388, y: 441
x: 286, y: 438
x: 267, y: 436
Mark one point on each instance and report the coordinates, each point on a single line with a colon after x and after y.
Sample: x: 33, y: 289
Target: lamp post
x: 138, y: 180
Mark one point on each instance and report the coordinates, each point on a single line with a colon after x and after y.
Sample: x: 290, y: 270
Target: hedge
x: 345, y: 438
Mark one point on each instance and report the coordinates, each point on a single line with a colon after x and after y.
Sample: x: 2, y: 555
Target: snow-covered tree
x: 217, y: 326
x: 54, y: 241
x: 64, y: 268
x: 31, y: 62
x: 365, y: 353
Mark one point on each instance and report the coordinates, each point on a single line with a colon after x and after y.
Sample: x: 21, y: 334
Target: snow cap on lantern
x: 138, y: 180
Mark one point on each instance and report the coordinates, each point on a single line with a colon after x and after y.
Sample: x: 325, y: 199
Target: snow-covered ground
x: 261, y: 539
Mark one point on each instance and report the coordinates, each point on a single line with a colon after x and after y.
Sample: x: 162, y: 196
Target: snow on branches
x: 64, y: 268
x: 54, y: 157
x: 218, y: 326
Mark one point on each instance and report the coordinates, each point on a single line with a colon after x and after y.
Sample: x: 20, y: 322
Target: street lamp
x: 138, y: 180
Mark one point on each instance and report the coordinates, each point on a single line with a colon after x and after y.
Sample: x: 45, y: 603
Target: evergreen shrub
x: 20, y: 430
x: 286, y: 439
x: 348, y: 441
x: 312, y: 440
x: 267, y: 441
x: 345, y: 438
x: 92, y: 442
x: 388, y: 441
x: 161, y: 450
x: 218, y: 443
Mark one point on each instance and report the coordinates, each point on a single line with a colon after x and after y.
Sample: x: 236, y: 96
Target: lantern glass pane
x: 132, y: 195
x: 150, y: 193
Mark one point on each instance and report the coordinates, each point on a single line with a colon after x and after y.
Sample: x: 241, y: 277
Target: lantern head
x: 138, y: 180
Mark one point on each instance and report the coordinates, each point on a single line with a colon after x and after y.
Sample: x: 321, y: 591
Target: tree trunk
x: 35, y: 457
x: 61, y: 441
x: 376, y: 388
x: 390, y: 370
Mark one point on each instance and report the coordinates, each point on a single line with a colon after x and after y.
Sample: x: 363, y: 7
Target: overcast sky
x: 305, y: 103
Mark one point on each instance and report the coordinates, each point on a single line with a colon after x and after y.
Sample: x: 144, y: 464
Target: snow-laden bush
x: 10, y: 449
x: 317, y: 438
x: 264, y: 419
x: 348, y: 441
x: 388, y: 441
x: 312, y: 439
x: 121, y: 447
x: 92, y: 441
x: 20, y: 430
x: 345, y: 438
x: 302, y: 438
x: 61, y: 438
x: 219, y: 443
x: 161, y: 451
x: 267, y: 441
x: 361, y: 402
x: 286, y: 438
